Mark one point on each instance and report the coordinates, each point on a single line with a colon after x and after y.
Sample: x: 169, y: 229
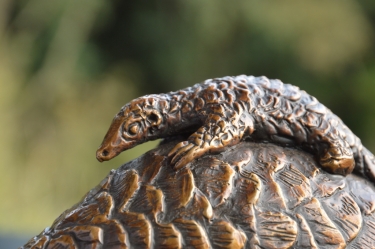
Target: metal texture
x: 224, y: 111
x: 251, y: 195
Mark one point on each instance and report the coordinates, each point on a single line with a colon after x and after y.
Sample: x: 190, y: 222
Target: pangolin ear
x: 154, y: 117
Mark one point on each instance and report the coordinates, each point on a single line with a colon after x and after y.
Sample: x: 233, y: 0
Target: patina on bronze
x: 224, y: 111
x: 251, y: 195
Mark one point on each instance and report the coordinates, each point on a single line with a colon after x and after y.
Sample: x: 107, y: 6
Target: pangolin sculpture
x: 250, y: 195
x: 223, y: 111
x: 239, y: 191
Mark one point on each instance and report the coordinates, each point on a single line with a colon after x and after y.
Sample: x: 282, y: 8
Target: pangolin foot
x: 336, y: 162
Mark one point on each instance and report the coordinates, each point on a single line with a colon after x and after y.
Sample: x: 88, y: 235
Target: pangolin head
x: 136, y: 123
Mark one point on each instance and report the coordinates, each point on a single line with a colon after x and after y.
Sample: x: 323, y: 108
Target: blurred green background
x: 67, y: 66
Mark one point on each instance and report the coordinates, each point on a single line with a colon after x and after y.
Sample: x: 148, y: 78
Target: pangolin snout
x: 105, y: 154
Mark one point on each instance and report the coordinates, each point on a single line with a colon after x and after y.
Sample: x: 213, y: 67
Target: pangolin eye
x: 132, y: 129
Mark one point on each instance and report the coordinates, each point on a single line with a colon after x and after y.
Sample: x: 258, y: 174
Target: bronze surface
x: 251, y: 195
x: 224, y: 111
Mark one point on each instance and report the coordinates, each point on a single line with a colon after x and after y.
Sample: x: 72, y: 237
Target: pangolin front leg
x: 218, y: 132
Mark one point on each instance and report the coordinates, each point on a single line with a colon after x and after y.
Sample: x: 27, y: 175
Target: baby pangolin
x: 223, y: 111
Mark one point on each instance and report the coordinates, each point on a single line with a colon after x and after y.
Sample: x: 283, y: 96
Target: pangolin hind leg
x: 217, y: 133
x: 327, y: 135
x: 338, y: 158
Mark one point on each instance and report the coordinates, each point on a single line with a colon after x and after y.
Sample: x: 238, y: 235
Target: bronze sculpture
x: 239, y: 191
x: 223, y: 111
x: 252, y: 195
